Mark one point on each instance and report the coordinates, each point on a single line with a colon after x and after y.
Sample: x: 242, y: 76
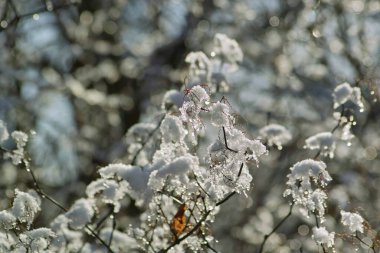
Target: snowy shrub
x: 189, y: 126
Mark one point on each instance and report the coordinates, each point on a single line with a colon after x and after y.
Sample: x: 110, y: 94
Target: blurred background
x: 80, y: 73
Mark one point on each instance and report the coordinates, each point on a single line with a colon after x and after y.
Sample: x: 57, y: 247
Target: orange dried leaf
x: 178, y: 223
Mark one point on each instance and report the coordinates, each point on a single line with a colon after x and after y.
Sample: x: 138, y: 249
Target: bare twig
x: 112, y: 231
x: 43, y: 195
x: 266, y: 237
x: 225, y: 141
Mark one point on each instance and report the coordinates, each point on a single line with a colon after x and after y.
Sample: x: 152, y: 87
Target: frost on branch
x: 324, y: 142
x: 108, y: 191
x: 135, y: 177
x: 81, y: 213
x: 38, y: 239
x: 304, y: 183
x: 200, y: 66
x: 18, y: 154
x: 65, y: 237
x: 176, y: 169
x: 322, y: 236
x: 198, y: 100
x: 344, y: 92
x: 7, y: 220
x: 121, y: 242
x: 227, y: 49
x: 199, y: 96
x: 227, y: 170
x: 25, y: 206
x: 353, y: 221
x: 136, y: 136
x: 178, y: 166
x: 172, y: 100
x: 248, y: 149
x: 276, y: 135
x: 6, y: 242
x: 220, y: 115
x: 172, y: 130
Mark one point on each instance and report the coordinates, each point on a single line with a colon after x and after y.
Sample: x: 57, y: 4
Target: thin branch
x: 317, y: 224
x: 225, y: 141
x: 112, y: 231
x: 104, y: 218
x: 147, y: 140
x: 266, y: 237
x: 210, y: 247
x: 45, y: 196
x: 366, y: 244
x: 200, y: 186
